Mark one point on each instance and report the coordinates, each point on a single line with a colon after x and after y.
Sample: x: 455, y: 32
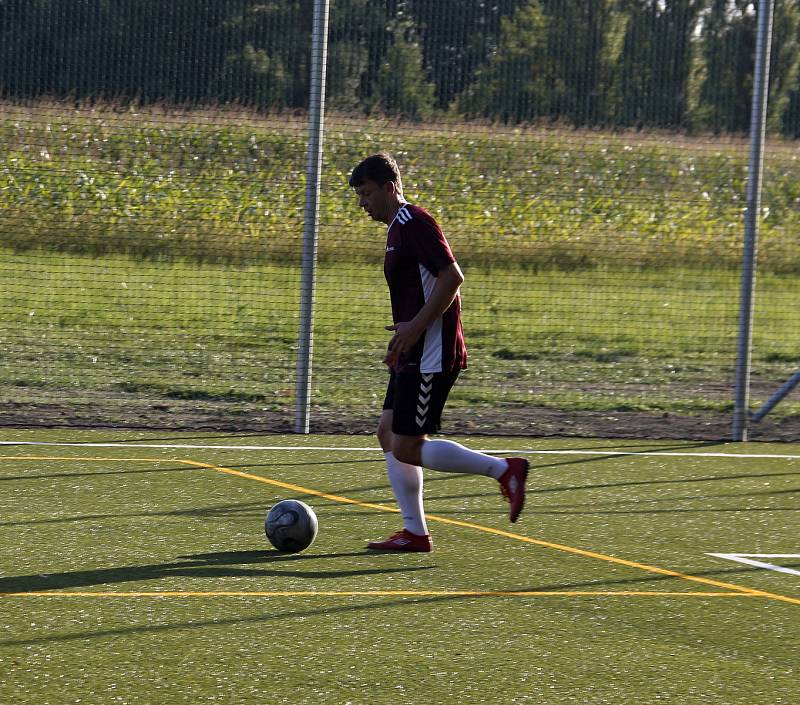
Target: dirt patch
x: 539, y: 422
x: 136, y: 413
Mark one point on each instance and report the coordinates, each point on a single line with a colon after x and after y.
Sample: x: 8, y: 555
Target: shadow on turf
x: 221, y: 510
x: 295, y: 614
x: 645, y: 580
x: 71, y: 475
x: 269, y: 616
x: 204, y: 565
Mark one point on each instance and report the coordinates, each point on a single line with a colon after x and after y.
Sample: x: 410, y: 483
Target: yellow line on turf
x: 499, y: 532
x: 290, y: 486
x: 381, y: 593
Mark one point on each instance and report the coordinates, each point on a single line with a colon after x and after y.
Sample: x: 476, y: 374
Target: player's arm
x: 407, y: 333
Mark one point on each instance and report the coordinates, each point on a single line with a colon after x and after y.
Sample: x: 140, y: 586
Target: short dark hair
x: 380, y: 168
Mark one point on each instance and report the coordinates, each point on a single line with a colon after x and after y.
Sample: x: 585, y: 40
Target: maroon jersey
x: 416, y: 251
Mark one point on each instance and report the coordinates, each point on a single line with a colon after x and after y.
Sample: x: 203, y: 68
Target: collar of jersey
x: 402, y: 205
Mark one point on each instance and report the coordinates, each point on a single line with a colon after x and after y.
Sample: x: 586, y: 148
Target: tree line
x: 672, y: 64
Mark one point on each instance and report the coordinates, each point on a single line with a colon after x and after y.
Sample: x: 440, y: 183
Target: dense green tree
x: 458, y: 37
x: 725, y: 73
x: 376, y: 60
x: 577, y: 43
x: 355, y: 27
x: 784, y: 66
x: 143, y: 49
x: 652, y: 75
x: 268, y: 53
x: 728, y: 45
x: 402, y: 88
x: 666, y: 63
x: 513, y: 85
x: 552, y: 60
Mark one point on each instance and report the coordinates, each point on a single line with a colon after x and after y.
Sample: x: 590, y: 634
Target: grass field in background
x: 138, y: 575
x: 229, y: 186
x: 602, y: 339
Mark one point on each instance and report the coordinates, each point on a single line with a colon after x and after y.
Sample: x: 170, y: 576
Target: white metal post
x: 305, y: 349
x: 758, y: 117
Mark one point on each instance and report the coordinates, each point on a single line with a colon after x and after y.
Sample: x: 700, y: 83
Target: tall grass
x: 220, y: 186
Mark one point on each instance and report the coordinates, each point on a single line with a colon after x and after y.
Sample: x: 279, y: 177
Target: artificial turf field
x: 136, y: 571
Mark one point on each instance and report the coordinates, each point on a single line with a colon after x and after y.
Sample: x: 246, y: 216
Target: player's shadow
x: 217, y: 511
x: 93, y: 473
x: 254, y: 564
x: 601, y: 584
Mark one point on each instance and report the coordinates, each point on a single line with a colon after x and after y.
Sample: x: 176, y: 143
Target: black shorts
x: 417, y: 400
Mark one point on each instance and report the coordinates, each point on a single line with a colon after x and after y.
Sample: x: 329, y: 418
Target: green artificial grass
x: 158, y: 584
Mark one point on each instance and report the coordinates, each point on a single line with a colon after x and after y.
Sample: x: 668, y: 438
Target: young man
x: 425, y: 355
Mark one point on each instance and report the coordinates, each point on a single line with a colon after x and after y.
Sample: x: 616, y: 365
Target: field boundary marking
x: 748, y: 559
x: 376, y: 449
x: 500, y: 532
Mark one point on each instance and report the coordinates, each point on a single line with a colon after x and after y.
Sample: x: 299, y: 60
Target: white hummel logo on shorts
x: 424, y: 399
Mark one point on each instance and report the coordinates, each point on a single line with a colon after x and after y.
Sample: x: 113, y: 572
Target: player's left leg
x: 418, y: 412
x: 449, y: 456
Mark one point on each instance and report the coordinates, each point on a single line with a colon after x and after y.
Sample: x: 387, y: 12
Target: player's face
x: 376, y: 200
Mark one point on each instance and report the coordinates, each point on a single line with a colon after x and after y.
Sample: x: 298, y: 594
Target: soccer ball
x: 291, y: 525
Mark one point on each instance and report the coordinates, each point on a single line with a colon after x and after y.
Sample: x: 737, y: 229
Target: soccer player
x: 425, y: 355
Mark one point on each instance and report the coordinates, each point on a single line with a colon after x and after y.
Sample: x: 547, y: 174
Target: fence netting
x: 586, y: 160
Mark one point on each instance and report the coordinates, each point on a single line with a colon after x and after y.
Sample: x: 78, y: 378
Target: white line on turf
x: 747, y: 558
x: 375, y: 449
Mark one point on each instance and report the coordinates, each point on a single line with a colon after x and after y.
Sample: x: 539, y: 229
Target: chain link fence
x: 587, y: 161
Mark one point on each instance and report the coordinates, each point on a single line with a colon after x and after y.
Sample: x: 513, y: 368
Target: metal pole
x: 787, y: 387
x: 758, y: 117
x: 305, y: 349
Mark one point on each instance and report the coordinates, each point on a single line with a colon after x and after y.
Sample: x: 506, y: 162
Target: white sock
x: 448, y: 456
x: 406, y: 481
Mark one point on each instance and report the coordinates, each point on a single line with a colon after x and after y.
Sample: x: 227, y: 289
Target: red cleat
x: 512, y: 485
x: 404, y: 541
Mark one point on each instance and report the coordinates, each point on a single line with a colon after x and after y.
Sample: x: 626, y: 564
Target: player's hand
x: 391, y: 360
x: 405, y: 337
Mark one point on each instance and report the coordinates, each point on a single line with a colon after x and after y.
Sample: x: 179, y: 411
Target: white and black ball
x: 291, y: 525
